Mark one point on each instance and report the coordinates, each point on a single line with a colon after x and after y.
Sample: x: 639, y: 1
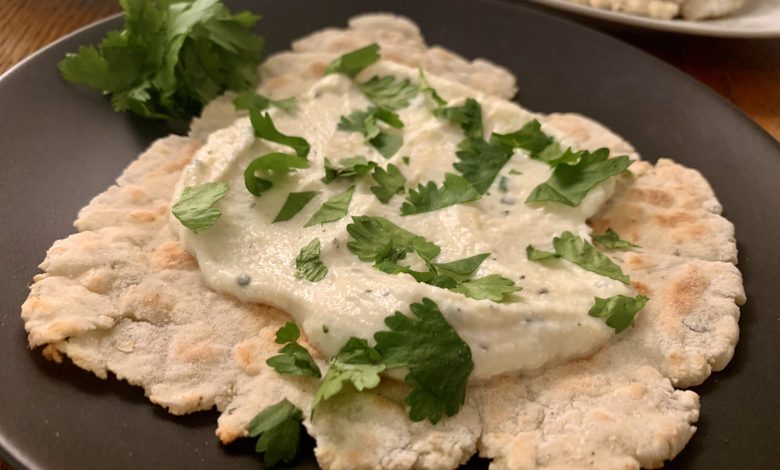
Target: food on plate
x: 669, y: 9
x: 467, y: 276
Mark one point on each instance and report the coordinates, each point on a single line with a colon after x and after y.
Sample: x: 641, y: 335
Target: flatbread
x: 122, y: 296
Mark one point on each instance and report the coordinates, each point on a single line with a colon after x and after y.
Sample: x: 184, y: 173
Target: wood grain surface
x: 746, y: 72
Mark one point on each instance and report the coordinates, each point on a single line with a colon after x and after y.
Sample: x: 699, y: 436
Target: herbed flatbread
x: 122, y: 296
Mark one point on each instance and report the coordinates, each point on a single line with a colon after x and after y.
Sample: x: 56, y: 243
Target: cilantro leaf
x: 265, y: 129
x: 374, y: 235
x: 438, y: 360
x: 253, y: 100
x: 610, y: 239
x: 387, y: 144
x: 468, y: 115
x: 293, y: 359
x: 333, y: 209
x: 308, y: 264
x: 492, y: 287
x: 389, y: 182
x: 170, y: 59
x: 353, y: 166
x: 425, y: 87
x: 463, y: 266
x: 455, y: 190
x: 279, y: 428
x: 570, y: 183
x: 578, y: 251
x: 480, y: 162
x: 529, y: 138
x: 389, y: 92
x: 278, y: 162
x: 193, y: 209
x: 619, y: 310
x: 356, y: 363
x: 288, y: 333
x: 352, y: 63
x: 366, y: 123
x: 294, y: 203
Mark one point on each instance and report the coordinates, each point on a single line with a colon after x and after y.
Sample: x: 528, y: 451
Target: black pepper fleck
x: 543, y: 291
x: 336, y: 242
x: 243, y: 279
x: 505, y: 213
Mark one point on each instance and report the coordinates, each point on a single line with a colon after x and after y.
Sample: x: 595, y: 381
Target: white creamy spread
x: 245, y: 255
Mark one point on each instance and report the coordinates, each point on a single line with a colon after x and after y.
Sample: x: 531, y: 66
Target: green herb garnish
x: 251, y: 100
x: 610, y: 239
x: 367, y: 123
x: 389, y: 182
x: 463, y: 266
x: 529, y: 138
x: 308, y: 264
x: 455, y: 190
x: 265, y: 129
x: 426, y: 88
x: 193, y: 209
x: 468, y: 115
x: 438, y: 360
x: 279, y: 428
x: 389, y: 92
x: 491, y: 287
x: 171, y: 58
x: 352, y: 63
x: 294, y: 203
x: 356, y: 363
x: 618, y: 310
x: 481, y: 161
x: 293, y: 359
x: 333, y: 209
x: 273, y: 162
x: 570, y: 183
x: 350, y: 167
x: 578, y: 251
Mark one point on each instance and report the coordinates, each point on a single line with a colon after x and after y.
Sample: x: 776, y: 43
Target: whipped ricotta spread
x: 244, y: 254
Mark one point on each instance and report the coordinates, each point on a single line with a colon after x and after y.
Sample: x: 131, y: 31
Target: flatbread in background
x: 122, y: 296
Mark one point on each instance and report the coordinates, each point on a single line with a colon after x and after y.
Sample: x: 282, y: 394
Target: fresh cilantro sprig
x: 271, y: 162
x: 352, y: 63
x: 357, y: 364
x: 294, y: 203
x: 491, y: 287
x: 389, y: 92
x: 293, y: 359
x: 610, y: 239
x: 171, y: 58
x: 389, y: 182
x: 570, y: 183
x: 278, y: 427
x: 251, y: 100
x: 333, y: 209
x: 367, y: 123
x: 350, y: 167
x: 429, y: 197
x: 194, y: 207
x: 619, y: 310
x: 264, y: 128
x: 578, y: 251
x: 481, y: 161
x: 468, y: 116
x: 308, y: 264
x: 438, y: 360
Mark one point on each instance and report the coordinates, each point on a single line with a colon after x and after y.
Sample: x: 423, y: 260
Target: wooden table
x: 746, y: 72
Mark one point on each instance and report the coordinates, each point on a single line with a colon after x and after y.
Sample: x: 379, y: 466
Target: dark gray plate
x: 60, y: 145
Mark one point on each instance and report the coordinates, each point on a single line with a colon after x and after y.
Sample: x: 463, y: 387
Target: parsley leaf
x: 455, y: 190
x: 463, y: 266
x: 293, y: 359
x: 366, y: 123
x: 373, y: 236
x: 492, y: 287
x: 570, y: 183
x: 389, y: 92
x: 578, y: 251
x: 279, y: 429
x: 353, y: 166
x: 170, y: 59
x: 352, y: 63
x: 438, y: 360
x: 480, y: 162
x: 279, y: 162
x: 308, y: 264
x: 468, y: 115
x: 294, y: 203
x: 253, y: 100
x: 265, y: 129
x: 333, y: 209
x: 356, y: 363
x: 425, y: 87
x: 610, y: 239
x: 529, y: 138
x: 193, y: 209
x: 619, y: 310
x: 390, y: 182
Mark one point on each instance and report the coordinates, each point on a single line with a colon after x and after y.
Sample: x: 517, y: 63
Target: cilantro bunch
x: 171, y: 58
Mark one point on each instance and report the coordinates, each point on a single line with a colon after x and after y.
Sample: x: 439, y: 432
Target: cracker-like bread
x: 122, y: 296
